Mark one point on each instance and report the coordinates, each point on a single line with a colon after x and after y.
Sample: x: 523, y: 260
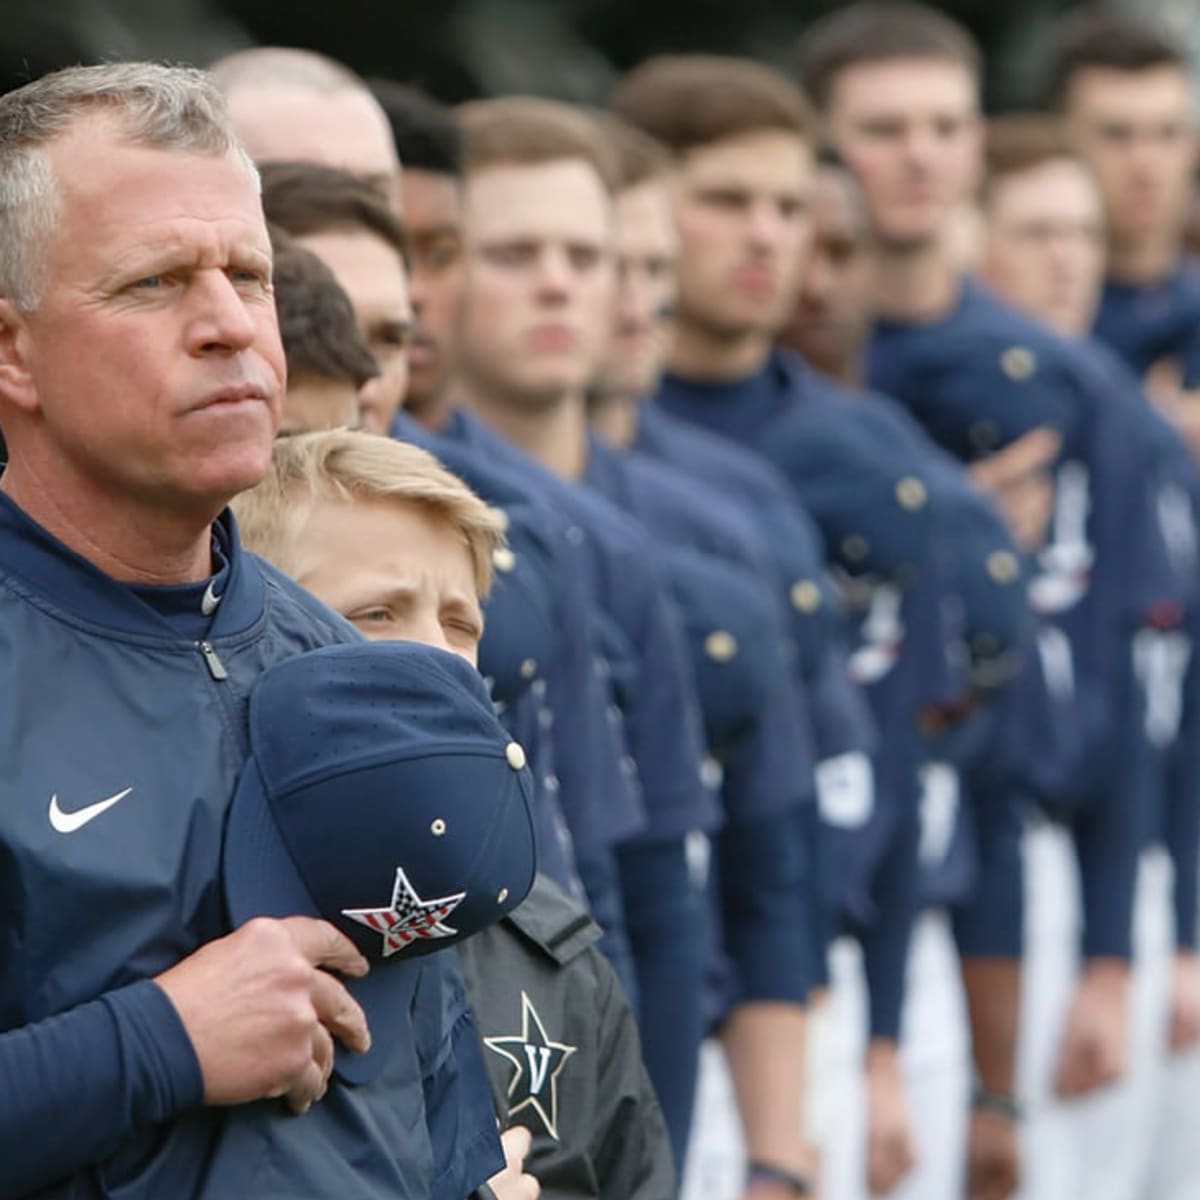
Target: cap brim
x: 259, y: 879
x: 386, y: 996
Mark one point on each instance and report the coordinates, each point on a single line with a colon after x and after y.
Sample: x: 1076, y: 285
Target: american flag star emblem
x: 408, y: 917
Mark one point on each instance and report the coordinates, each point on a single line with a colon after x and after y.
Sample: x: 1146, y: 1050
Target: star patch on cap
x: 408, y: 917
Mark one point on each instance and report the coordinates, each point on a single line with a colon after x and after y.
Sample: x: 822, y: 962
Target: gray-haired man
x: 140, y: 383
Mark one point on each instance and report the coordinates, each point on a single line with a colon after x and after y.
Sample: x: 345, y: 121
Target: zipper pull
x: 216, y: 668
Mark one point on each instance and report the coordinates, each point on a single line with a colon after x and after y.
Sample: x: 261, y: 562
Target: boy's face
x: 1044, y: 243
x: 394, y: 571
x: 742, y: 214
x: 1136, y: 130
x: 539, y: 285
x: 909, y: 129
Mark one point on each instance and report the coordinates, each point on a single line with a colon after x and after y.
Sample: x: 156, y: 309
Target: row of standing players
x: 803, y: 663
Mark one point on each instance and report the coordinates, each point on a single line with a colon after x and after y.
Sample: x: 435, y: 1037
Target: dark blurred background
x: 458, y: 49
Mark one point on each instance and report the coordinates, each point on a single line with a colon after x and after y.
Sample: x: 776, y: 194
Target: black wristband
x: 762, y: 1172
x: 1001, y: 1103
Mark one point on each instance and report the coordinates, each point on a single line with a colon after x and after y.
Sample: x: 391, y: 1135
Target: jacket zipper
x: 216, y: 668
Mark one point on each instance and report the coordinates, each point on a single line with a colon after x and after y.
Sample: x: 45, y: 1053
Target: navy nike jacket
x: 122, y: 735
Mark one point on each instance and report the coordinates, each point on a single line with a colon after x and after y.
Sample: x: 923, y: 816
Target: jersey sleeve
x: 72, y: 1087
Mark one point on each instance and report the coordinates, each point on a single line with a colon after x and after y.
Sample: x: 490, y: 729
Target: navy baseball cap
x: 382, y: 795
x: 519, y: 634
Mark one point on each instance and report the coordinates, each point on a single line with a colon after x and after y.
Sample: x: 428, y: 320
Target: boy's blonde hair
x: 343, y: 464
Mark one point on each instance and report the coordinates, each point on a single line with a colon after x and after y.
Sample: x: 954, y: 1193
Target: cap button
x: 1002, y: 566
x: 720, y: 646
x: 438, y: 827
x: 515, y: 754
x: 911, y: 493
x: 1018, y: 363
x: 984, y: 435
x: 503, y: 559
x: 855, y: 547
x: 806, y: 596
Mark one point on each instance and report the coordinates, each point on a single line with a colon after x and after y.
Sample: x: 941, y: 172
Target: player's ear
x: 16, y: 352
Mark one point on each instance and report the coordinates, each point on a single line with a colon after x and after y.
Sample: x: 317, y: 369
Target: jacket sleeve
x: 885, y: 943
x: 72, y: 1087
x: 990, y: 923
x: 631, y: 1150
x: 459, y: 1110
x: 1182, y: 813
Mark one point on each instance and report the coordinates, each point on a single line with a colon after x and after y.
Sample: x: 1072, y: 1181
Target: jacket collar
x: 69, y: 582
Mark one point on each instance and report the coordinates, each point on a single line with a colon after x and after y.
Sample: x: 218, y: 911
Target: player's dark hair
x: 1019, y: 142
x: 317, y: 324
x: 690, y: 100
x: 526, y: 131
x: 873, y: 32
x: 424, y: 129
x: 1099, y: 37
x: 305, y: 198
x: 638, y: 157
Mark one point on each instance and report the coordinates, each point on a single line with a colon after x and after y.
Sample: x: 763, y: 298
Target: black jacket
x: 563, y: 1053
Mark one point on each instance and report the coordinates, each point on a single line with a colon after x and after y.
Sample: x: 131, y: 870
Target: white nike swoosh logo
x: 69, y: 822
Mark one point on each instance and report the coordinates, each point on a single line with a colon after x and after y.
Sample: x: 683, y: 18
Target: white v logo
x: 539, y: 1065
x: 69, y: 822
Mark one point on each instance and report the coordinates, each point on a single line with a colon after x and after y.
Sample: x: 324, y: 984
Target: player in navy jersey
x: 160, y: 629
x: 1044, y: 250
x: 557, y: 694
x: 898, y: 88
x: 862, y: 468
x: 1123, y: 84
x: 538, y: 275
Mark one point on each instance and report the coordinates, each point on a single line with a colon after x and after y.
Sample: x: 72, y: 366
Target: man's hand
x: 1018, y: 479
x: 992, y: 1170
x: 262, y: 1014
x: 891, y: 1148
x: 1185, y: 1001
x: 1095, y: 1048
x: 512, y: 1183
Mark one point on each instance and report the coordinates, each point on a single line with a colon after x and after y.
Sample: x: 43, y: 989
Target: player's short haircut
x: 1020, y: 142
x: 1099, y: 37
x: 638, y: 157
x: 524, y: 131
x: 347, y: 465
x: 686, y: 101
x: 284, y: 66
x: 307, y: 198
x: 169, y: 108
x: 426, y: 135
x: 317, y: 324
x: 875, y: 32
